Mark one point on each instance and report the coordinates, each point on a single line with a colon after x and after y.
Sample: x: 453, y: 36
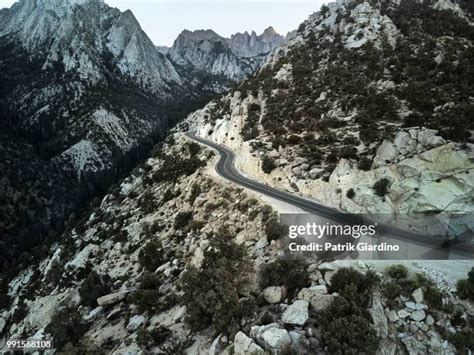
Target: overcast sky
x: 163, y: 20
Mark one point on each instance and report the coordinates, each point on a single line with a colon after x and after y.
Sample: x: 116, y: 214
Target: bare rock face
x: 274, y: 294
x: 234, y: 58
x: 76, y: 33
x: 316, y: 297
x: 250, y: 45
x: 244, y: 345
x: 111, y: 299
x: 296, y: 313
x: 378, y: 317
x: 272, y: 338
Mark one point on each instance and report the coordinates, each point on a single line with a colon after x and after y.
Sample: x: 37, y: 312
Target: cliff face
x: 83, y: 95
x: 252, y: 45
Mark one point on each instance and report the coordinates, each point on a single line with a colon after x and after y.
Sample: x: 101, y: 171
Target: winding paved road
x: 225, y: 167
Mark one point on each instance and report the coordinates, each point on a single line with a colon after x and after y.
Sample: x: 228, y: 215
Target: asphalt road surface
x: 428, y: 246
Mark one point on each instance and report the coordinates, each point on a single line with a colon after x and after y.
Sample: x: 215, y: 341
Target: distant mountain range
x: 84, y: 93
x: 205, y: 54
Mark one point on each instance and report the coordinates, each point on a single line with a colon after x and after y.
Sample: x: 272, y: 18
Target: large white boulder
x: 316, y: 298
x: 271, y: 337
x: 297, y: 313
x: 136, y: 322
x: 274, y: 294
x: 111, y: 298
x: 417, y: 295
x: 386, y: 153
x: 244, y: 345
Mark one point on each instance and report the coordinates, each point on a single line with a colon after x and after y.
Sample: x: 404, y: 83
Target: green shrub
x: 211, y: 293
x: 147, y: 202
x: 422, y: 280
x: 397, y: 271
x: 182, y: 219
x: 407, y: 285
x: 174, y: 167
x: 20, y: 311
x: 84, y: 347
x: 268, y: 164
x: 352, y: 334
x: 465, y: 290
x: 381, y: 187
x: 194, y: 149
x: 93, y: 287
x: 195, y: 192
x: 391, y: 291
x: 146, y: 300
x: 350, y: 193
x: 153, y: 337
x: 273, y: 229
x: 66, y: 326
x: 365, y: 164
x: 349, y: 276
x: 147, y: 296
x: 346, y: 327
x: 151, y: 255
x: 5, y: 299
x: 464, y: 341
x: 289, y: 273
x: 433, y: 297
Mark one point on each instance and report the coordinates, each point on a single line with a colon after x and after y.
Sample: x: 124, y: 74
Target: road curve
x: 225, y: 168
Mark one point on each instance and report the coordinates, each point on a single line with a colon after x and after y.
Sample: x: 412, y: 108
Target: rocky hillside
x: 367, y: 109
x: 173, y: 260
x: 83, y: 95
x: 215, y: 62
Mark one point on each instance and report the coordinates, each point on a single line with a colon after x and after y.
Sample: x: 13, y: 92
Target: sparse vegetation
x: 93, y: 287
x: 273, y: 229
x: 211, y: 292
x: 268, y: 164
x: 397, y: 271
x: 195, y: 192
x: 153, y: 337
x: 350, y: 193
x: 381, y: 187
x: 345, y: 324
x: 147, y: 297
x: 465, y: 288
x: 151, y: 255
x: 66, y: 326
x: 289, y: 273
x: 182, y: 219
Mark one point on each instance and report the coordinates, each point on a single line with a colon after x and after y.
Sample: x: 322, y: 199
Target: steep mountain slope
x: 215, y: 62
x: 83, y: 94
x: 368, y: 109
x: 175, y: 261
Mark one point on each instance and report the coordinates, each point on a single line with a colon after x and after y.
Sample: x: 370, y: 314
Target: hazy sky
x: 163, y: 20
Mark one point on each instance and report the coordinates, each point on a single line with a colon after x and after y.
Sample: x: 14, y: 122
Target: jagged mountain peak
x: 269, y: 31
x: 200, y: 35
x: 78, y: 37
x: 234, y: 57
